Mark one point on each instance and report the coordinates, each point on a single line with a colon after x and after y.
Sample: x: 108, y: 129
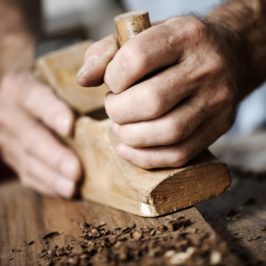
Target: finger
x: 32, y: 182
x: 42, y: 103
x: 157, y: 47
x: 175, y: 155
x: 97, y: 57
x: 169, y: 129
x: 153, y: 97
x: 39, y: 101
x: 37, y: 140
x: 35, y: 173
x: 10, y: 151
x: 48, y: 177
x: 13, y: 155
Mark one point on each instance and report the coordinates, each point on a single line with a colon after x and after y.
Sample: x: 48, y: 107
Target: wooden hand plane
x: 109, y: 179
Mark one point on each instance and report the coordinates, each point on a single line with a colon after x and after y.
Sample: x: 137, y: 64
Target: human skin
x: 174, y: 88
x: 31, y: 115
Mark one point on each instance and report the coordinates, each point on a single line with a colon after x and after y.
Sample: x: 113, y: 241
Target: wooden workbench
x: 40, y: 230
x: 37, y: 230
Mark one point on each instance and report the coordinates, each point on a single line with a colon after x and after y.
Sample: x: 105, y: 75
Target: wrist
x: 236, y: 53
x: 240, y: 24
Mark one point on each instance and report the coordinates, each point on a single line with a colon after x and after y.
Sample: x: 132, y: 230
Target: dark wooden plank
x: 25, y: 216
x: 240, y: 216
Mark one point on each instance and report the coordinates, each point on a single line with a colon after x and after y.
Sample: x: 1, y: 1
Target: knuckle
x: 215, y: 64
x: 195, y: 28
x: 175, y: 37
x: 173, y: 40
x: 127, y: 136
x: 189, y: 28
x: 179, y: 158
x: 131, y: 137
x: 224, y: 97
x: 137, y: 55
x: 178, y: 129
x: 155, y: 104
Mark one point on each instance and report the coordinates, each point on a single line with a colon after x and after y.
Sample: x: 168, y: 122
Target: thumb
x: 97, y: 57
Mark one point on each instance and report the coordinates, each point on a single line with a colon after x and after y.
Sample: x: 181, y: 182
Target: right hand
x: 173, y: 89
x: 27, y: 109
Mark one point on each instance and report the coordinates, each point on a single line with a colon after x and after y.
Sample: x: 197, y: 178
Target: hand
x: 27, y: 109
x: 173, y: 90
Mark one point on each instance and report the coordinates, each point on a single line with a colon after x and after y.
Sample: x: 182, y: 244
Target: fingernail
x: 63, y: 123
x: 125, y: 152
x: 86, y: 68
x: 115, y: 129
x: 65, y: 187
x: 71, y: 168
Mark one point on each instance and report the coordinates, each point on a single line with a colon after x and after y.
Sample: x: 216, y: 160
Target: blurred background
x: 92, y: 17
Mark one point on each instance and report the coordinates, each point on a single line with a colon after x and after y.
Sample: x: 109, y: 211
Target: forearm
x: 17, y: 41
x: 246, y: 21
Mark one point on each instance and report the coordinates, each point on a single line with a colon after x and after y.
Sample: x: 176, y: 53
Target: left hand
x: 173, y: 90
x: 30, y: 115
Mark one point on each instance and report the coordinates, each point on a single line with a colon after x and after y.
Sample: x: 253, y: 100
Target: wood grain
x: 240, y: 215
x: 26, y: 216
x: 60, y: 68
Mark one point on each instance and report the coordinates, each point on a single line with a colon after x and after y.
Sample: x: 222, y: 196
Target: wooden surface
x: 239, y: 216
x: 60, y: 72
x: 26, y: 218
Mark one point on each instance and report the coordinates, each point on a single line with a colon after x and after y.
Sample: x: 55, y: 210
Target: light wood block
x: 59, y: 68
